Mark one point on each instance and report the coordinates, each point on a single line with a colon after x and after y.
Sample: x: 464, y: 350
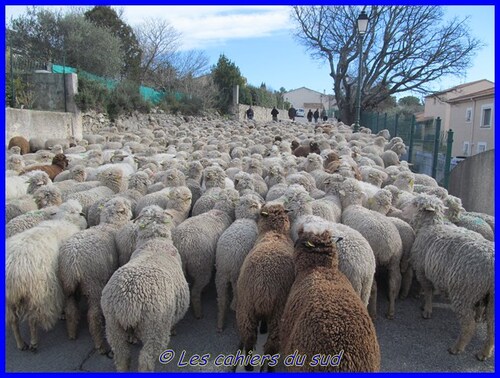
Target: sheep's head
x: 248, y: 207
x: 350, y: 193
x: 316, y: 246
x: 139, y: 181
x: 116, y: 211
x: 15, y: 162
x: 424, y: 210
x: 454, y: 207
x: 61, y: 161
x: 36, y: 180
x: 332, y: 156
x: 174, y: 177
x: 332, y: 183
x: 70, y: 211
x: 294, y: 144
x: 47, y: 196
x: 15, y: 150
x: 404, y: 181
x: 153, y: 222
x: 381, y: 201
x: 314, y: 146
x: 273, y: 217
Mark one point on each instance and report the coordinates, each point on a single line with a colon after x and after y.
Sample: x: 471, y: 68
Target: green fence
x: 428, y: 148
x: 147, y: 93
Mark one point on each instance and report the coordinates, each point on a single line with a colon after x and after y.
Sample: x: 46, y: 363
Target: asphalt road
x: 408, y: 343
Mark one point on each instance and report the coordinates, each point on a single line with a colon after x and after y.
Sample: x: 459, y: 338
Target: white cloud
x: 204, y: 26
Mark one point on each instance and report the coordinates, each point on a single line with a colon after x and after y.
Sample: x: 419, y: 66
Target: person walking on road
x: 292, y: 113
x: 324, y: 117
x: 316, y: 115
x: 250, y: 113
x: 310, y: 115
x: 275, y: 113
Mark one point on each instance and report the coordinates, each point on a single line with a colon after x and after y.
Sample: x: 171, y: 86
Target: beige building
x: 306, y: 99
x: 461, y: 108
x: 472, y: 118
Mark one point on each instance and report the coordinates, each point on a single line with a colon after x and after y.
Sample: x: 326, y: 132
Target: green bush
x: 91, y: 95
x: 191, y: 105
x: 126, y: 98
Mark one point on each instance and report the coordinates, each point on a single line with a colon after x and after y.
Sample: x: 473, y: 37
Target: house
x: 472, y: 119
x: 457, y: 105
x: 308, y: 99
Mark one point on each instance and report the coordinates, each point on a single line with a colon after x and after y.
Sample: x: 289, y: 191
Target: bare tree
x: 159, y: 41
x: 404, y: 48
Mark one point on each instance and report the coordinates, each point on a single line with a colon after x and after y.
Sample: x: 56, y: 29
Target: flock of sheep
x: 295, y: 219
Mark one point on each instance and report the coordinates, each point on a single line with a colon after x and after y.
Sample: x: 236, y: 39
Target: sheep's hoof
x: 454, y: 350
x: 33, y: 348
x: 173, y: 332
x: 389, y: 316
x: 110, y: 354
x: 482, y: 357
x: 403, y: 296
x: 426, y: 314
x: 132, y: 340
x: 24, y: 347
x: 263, y: 327
x: 219, y: 329
x: 248, y: 367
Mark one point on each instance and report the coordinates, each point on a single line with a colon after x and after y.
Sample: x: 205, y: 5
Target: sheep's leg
x: 72, y: 317
x: 490, y: 341
x: 221, y: 286
x: 94, y: 317
x: 271, y: 346
x: 153, y: 339
x: 372, y: 303
x: 201, y: 281
x: 117, y: 338
x: 427, y: 291
x: 406, y: 280
x: 234, y: 301
x: 247, y: 327
x: 33, y: 335
x: 13, y: 320
x: 467, y: 330
x: 394, y: 286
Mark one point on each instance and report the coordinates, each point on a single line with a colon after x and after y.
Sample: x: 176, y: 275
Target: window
x: 468, y: 115
x: 486, y: 115
x: 481, y: 147
x: 466, y: 149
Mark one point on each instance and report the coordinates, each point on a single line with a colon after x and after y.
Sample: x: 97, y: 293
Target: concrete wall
x: 41, y: 124
x: 472, y: 180
x: 49, y: 91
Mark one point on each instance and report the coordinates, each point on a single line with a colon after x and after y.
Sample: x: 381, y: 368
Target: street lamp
x: 362, y: 26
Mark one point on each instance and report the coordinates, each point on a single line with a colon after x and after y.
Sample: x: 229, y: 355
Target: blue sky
x: 258, y: 40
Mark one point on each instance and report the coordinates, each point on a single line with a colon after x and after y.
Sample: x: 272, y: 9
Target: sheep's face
x: 424, y: 210
x: 61, y: 161
x: 36, y: 181
x: 313, y: 242
x: 155, y: 223
x: 47, y: 196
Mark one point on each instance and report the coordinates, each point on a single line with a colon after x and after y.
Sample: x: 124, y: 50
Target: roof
x: 490, y: 92
x: 298, y: 89
x: 457, y: 87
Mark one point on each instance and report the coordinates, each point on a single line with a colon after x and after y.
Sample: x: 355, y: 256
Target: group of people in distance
x: 292, y: 113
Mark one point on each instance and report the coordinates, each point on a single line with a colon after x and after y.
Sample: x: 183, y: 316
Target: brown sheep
x: 59, y: 164
x: 306, y: 150
x: 265, y: 279
x: 324, y: 317
x: 21, y: 142
x: 329, y: 159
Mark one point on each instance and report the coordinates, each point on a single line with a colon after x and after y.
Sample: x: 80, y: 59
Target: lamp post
x: 362, y: 26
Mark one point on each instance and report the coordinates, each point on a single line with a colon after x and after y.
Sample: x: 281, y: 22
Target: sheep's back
x: 267, y: 274
x: 325, y: 316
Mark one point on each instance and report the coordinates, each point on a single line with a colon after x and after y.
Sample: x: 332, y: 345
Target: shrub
x: 126, y: 98
x: 186, y: 105
x: 91, y: 95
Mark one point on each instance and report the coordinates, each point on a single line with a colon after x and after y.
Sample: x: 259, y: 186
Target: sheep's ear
x: 337, y: 239
x: 342, y: 192
x: 264, y: 213
x: 288, y: 211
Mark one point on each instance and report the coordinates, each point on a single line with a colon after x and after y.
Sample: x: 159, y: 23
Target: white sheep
x: 382, y: 235
x: 148, y: 295
x: 232, y: 247
x: 33, y: 288
x: 86, y: 262
x: 458, y: 262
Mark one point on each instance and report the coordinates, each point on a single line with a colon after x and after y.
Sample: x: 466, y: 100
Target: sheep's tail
x: 69, y: 271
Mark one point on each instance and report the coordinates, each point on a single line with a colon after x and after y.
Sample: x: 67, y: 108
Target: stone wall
x: 472, y: 180
x: 42, y: 124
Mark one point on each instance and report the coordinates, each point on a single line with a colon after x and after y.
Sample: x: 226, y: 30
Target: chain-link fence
x: 428, y: 148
